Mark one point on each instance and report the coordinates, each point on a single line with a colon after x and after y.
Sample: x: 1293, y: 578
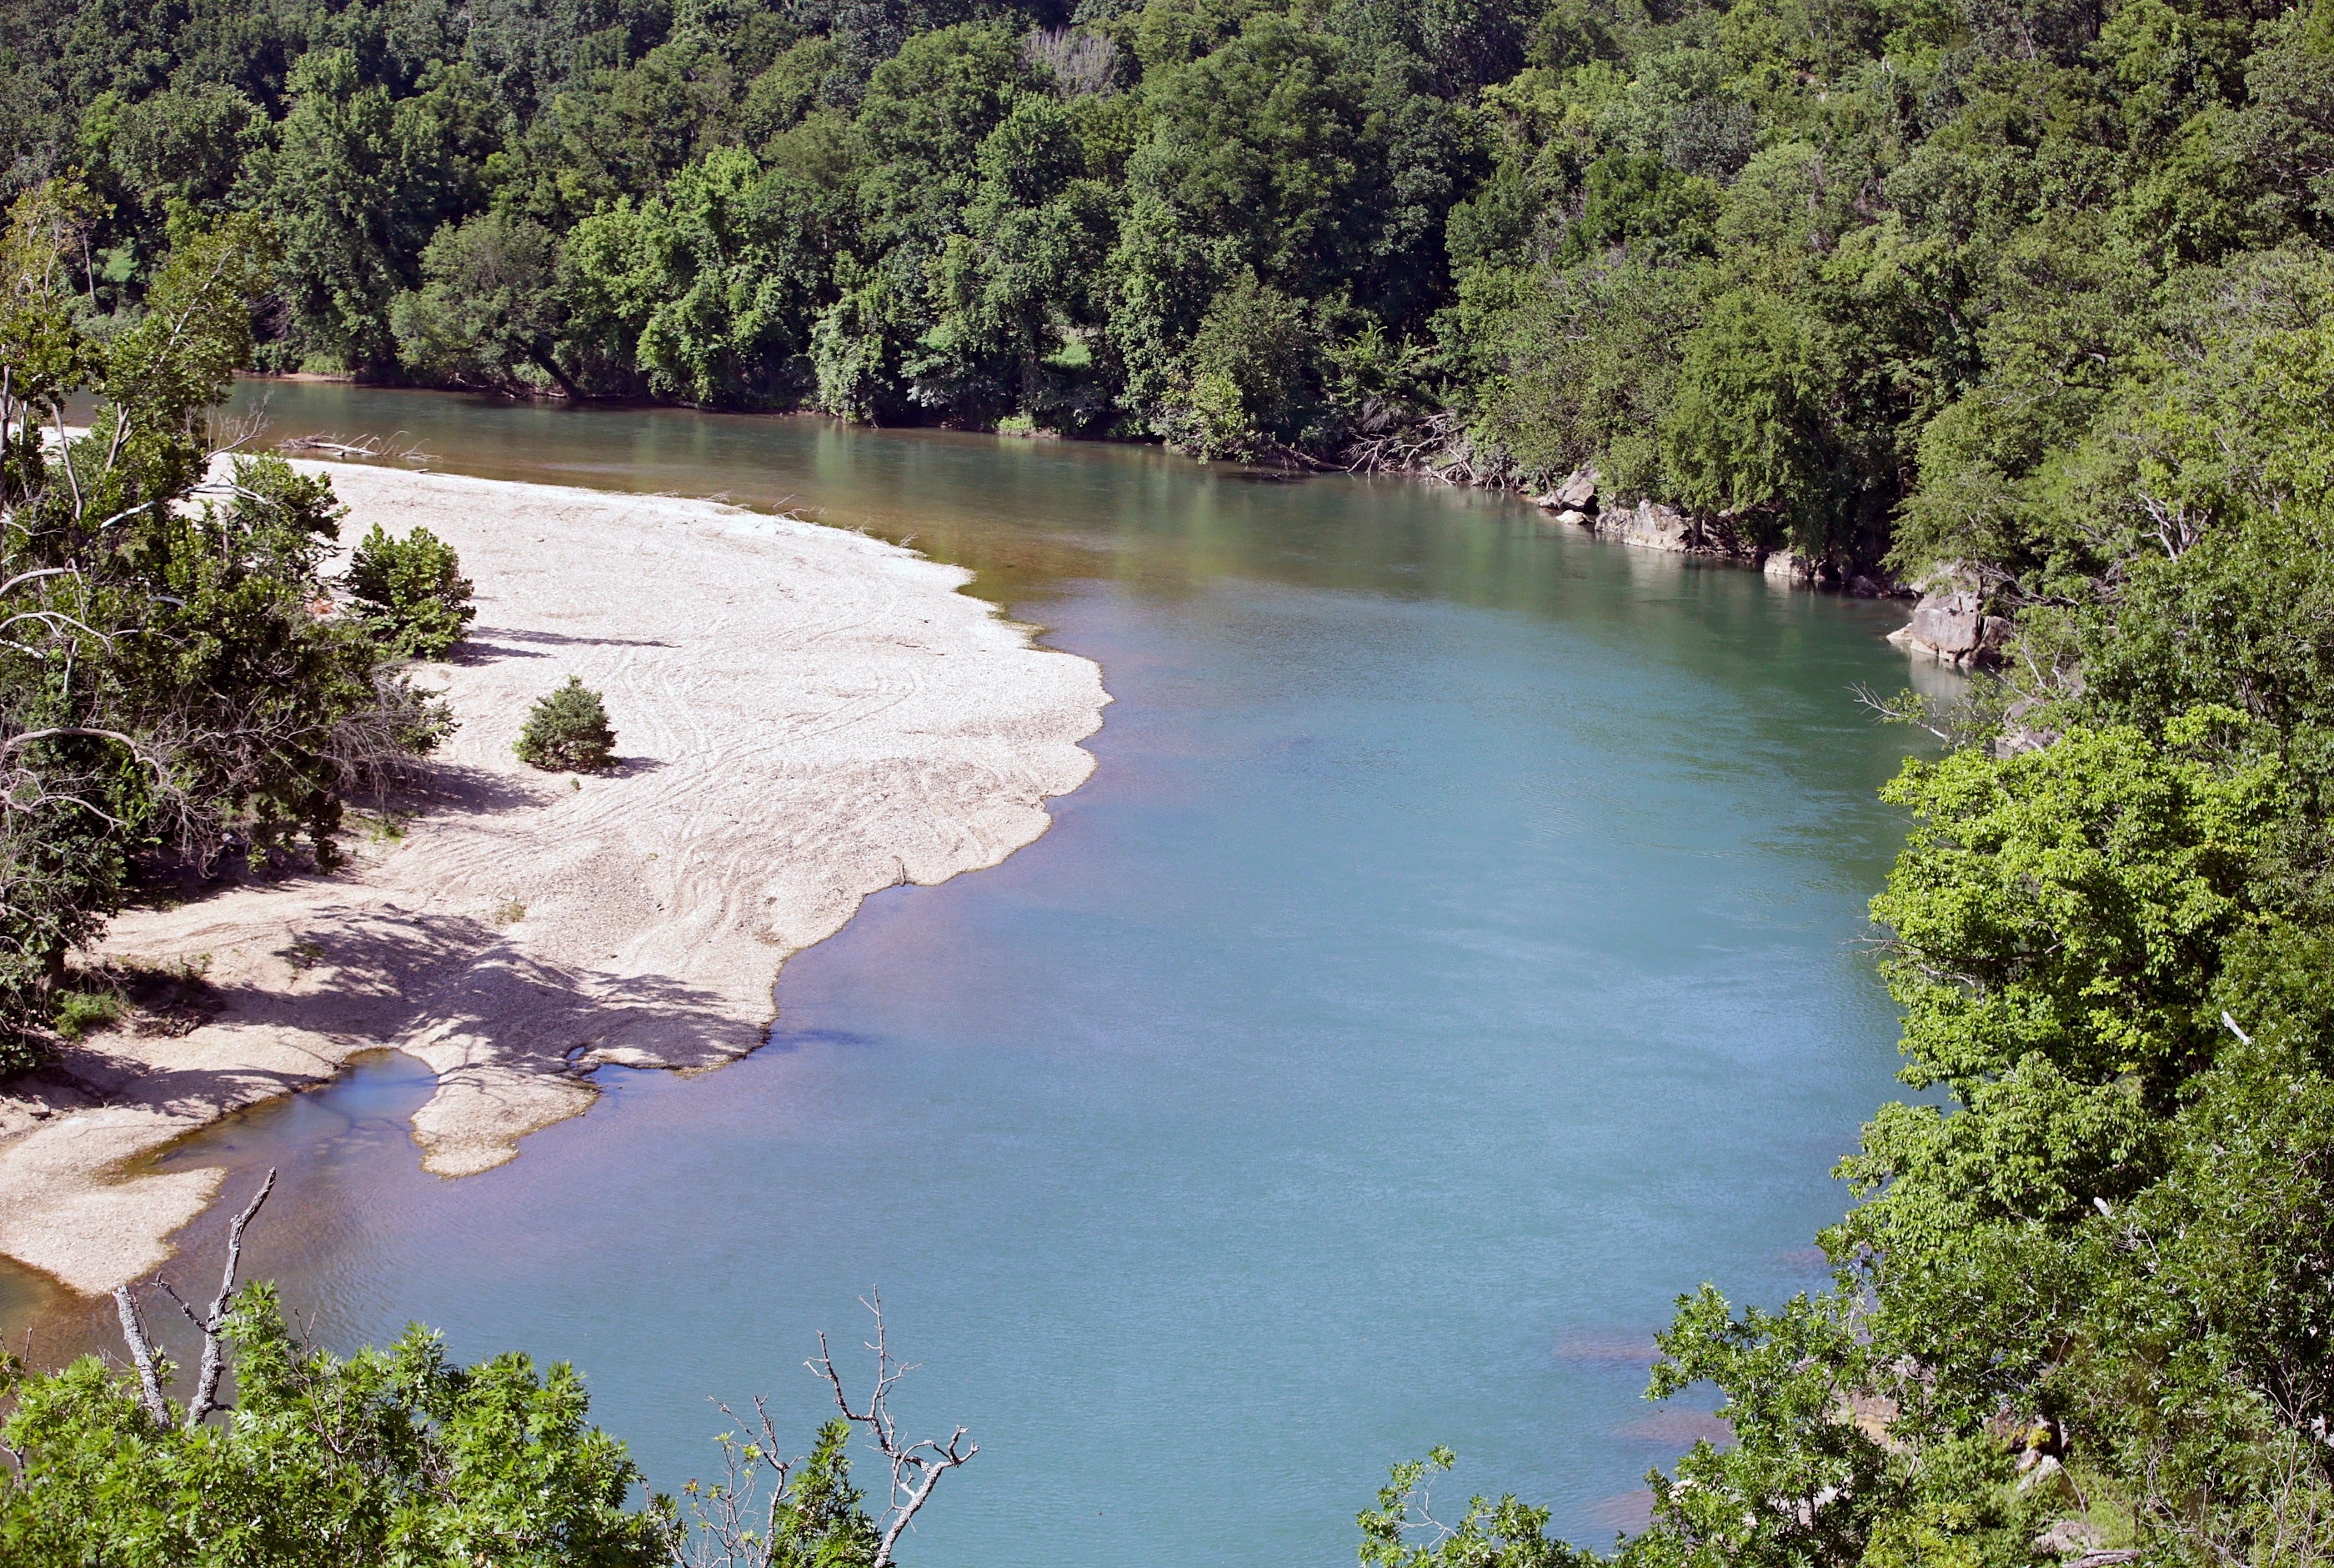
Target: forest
x: 1842, y: 274
x: 2029, y: 298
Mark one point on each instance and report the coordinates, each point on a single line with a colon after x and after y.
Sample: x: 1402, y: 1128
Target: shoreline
x: 804, y: 716
x: 1643, y: 524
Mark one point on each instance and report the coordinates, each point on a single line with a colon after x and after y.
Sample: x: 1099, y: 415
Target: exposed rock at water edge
x: 1949, y: 625
x: 1650, y: 526
x: 1785, y: 564
x: 1578, y: 491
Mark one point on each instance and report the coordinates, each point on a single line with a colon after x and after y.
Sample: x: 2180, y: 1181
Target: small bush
x: 411, y: 591
x: 568, y: 730
x: 79, y: 1012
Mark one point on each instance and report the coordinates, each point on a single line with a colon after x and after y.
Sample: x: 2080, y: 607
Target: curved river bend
x: 1455, y: 956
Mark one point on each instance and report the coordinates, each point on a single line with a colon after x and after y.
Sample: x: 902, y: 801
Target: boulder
x: 2068, y: 1538
x: 1954, y: 628
x: 1789, y: 566
x: 1950, y: 623
x: 1577, y: 519
x: 1578, y: 491
x: 1650, y: 526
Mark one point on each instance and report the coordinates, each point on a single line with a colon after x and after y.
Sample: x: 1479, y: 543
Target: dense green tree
x: 395, y: 1455
x: 1015, y: 290
x: 709, y: 292
x: 1264, y: 151
x: 1254, y: 374
x: 357, y: 184
x: 2069, y: 902
x: 490, y: 311
x: 1583, y: 366
x: 166, y: 679
x: 1749, y: 431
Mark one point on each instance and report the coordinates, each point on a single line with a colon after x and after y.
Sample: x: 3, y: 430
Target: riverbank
x: 804, y: 714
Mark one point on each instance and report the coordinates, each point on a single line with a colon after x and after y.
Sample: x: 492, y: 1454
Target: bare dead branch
x: 22, y: 577
x: 724, y: 1532
x: 206, y: 1383
x: 28, y: 736
x: 368, y: 447
x: 1907, y: 708
x: 142, y: 1352
x: 916, y: 1468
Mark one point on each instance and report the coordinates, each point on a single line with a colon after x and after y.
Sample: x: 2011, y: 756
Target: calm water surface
x: 1455, y: 956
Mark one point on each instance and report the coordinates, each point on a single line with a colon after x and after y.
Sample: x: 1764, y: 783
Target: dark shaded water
x: 1455, y: 956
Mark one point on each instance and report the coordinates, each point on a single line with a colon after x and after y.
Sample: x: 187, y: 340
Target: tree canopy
x: 1849, y: 275
x: 174, y: 674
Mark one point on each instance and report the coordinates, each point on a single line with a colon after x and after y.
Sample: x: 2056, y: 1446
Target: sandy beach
x: 804, y: 716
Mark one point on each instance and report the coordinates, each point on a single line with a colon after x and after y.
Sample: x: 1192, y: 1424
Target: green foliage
x: 1401, y: 1531
x: 1627, y: 196
x: 709, y: 292
x: 820, y: 1520
x: 167, y: 684
x: 1747, y: 430
x: 357, y: 181
x: 79, y: 1012
x: 411, y: 591
x: 394, y: 1455
x: 1799, y: 1481
x: 1253, y: 378
x: 489, y: 312
x: 2070, y: 903
x: 1852, y: 278
x: 1584, y: 368
x: 567, y: 730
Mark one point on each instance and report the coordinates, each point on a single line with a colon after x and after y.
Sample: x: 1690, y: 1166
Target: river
x: 1458, y: 953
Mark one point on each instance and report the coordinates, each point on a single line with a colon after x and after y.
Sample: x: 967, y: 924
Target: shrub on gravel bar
x: 568, y: 730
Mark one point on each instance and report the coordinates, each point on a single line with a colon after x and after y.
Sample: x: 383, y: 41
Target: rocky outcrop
x: 1651, y: 524
x: 1950, y: 624
x: 2068, y: 1538
x: 1577, y: 493
x: 1648, y: 524
x: 2038, y: 1472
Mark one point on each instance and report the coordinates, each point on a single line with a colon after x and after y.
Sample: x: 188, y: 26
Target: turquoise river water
x: 1458, y: 952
